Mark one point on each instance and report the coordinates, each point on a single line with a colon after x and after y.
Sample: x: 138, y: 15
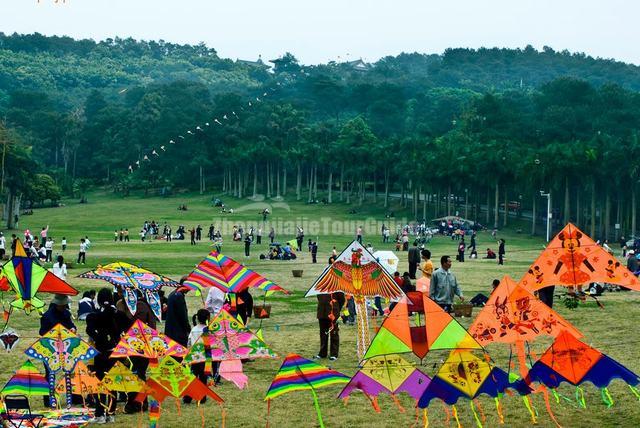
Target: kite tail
x: 555, y: 395
x: 606, y: 397
x: 522, y: 358
x: 425, y: 418
x: 499, y: 410
x: 395, y: 400
x: 415, y: 421
x: 580, y: 397
x: 178, y: 407
x: 374, y: 403
x: 635, y: 391
x: 363, y: 326
x: 317, y: 406
x: 201, y: 410
x: 547, y: 403
x: 268, y: 412
x: 224, y: 416
x: 446, y: 411
x: 475, y: 414
x: 454, y: 410
x: 154, y: 413
x: 482, y: 415
x: 527, y: 403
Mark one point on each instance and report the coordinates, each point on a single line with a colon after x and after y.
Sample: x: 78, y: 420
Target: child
x: 200, y: 322
x: 64, y: 243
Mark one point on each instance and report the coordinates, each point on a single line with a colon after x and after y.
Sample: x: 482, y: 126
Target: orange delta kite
x: 514, y: 314
x: 571, y: 259
x: 438, y: 330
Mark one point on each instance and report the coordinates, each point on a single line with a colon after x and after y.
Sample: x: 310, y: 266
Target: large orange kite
x: 572, y: 258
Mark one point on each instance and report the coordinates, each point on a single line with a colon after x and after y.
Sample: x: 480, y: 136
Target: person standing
x: 215, y: 300
x: 414, y: 259
x: 426, y: 267
x: 328, y: 311
x: 300, y: 238
x: 82, y: 254
x: 192, y: 233
x: 314, y: 252
x: 3, y: 245
x: 461, y: 248
x: 359, y: 234
x: 444, y: 285
x: 211, y: 233
x: 64, y: 244
x: 272, y: 235
x: 60, y: 268
x: 247, y: 245
x: 168, y: 233
x: 501, y: 251
x: 103, y: 329
x: 259, y: 235
x: 244, y: 306
x: 126, y: 235
x: 48, y: 246
x: 177, y: 325
x: 472, y: 244
x: 199, y: 233
x: 115, y: 235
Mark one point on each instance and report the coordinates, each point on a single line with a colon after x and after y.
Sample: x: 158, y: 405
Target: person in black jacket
x: 501, y: 252
x: 102, y: 328
x: 328, y: 311
x: 244, y: 305
x: 414, y: 259
x: 177, y: 325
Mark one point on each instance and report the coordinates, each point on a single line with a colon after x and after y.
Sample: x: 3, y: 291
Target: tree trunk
x: 496, y: 211
x: 315, y: 181
x: 278, y: 182
x: 424, y: 206
x: 299, y: 182
x: 375, y: 188
x: 506, y: 207
x: 488, y: 206
x: 309, y: 183
x: 449, y: 200
x: 255, y: 180
x: 330, y: 187
x: 224, y: 181
x: 592, y: 228
x: 239, y: 184
x: 341, y: 182
x: 567, y: 211
x: 534, y: 214
x: 268, y: 179
x: 607, y: 214
x: 618, y: 218
x: 633, y: 210
x: 386, y: 187
x: 349, y: 193
x: 439, y: 196
x: 578, y: 208
x: 284, y: 181
x: 10, y: 199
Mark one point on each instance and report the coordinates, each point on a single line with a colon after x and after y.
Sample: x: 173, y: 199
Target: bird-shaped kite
x: 390, y: 374
x: 434, y: 329
x: 60, y: 349
x: 228, y: 340
x: 571, y: 259
x: 144, y: 342
x: 297, y: 373
x: 131, y: 278
x: 26, y: 278
x: 357, y: 273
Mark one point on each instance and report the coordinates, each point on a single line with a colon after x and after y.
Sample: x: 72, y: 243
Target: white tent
x: 388, y: 260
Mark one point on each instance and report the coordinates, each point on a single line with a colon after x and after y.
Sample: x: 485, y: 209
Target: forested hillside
x: 489, y: 126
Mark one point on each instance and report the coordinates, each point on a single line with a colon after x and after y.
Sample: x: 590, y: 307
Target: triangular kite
x: 120, y: 378
x: 572, y: 258
x: 514, y: 314
x: 28, y: 381
x: 437, y: 330
x: 143, y: 341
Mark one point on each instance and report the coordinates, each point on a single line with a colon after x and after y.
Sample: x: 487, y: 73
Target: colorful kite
x: 514, y: 314
x: 83, y: 382
x: 120, y: 378
x: 357, y: 273
x: 228, y: 340
x: 389, y: 374
x: 464, y: 375
x: 60, y: 350
x: 28, y: 381
x: 131, y: 278
x: 572, y: 259
x: 228, y: 275
x: 573, y: 361
x: 144, y: 342
x: 8, y: 339
x: 172, y: 379
x: 26, y: 278
x: 435, y: 329
x: 297, y: 374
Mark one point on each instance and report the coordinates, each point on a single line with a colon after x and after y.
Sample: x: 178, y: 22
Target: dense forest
x: 458, y: 131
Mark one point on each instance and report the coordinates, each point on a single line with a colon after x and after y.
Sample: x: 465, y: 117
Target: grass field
x: 293, y: 327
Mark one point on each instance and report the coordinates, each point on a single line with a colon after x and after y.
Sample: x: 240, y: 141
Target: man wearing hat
x: 632, y: 262
x: 58, y: 313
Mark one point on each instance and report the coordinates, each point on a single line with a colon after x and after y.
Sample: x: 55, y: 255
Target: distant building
x: 259, y: 63
x: 359, y: 65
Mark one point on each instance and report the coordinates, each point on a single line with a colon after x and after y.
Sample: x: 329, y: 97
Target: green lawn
x: 293, y: 328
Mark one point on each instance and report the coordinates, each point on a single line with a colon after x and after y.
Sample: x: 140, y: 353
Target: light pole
x: 548, y: 196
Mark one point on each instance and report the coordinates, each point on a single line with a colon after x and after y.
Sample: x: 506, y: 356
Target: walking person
x: 82, y: 254
x: 247, y: 245
x: 328, y: 310
x: 414, y: 259
x: 104, y: 331
x: 444, y: 285
x: 501, y: 251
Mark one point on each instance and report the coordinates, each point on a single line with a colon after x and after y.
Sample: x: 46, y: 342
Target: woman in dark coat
x: 102, y: 328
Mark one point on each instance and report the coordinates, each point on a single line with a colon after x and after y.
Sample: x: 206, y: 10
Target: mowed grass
x: 292, y: 327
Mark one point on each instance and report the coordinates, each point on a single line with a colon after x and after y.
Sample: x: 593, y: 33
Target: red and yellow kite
x: 572, y: 259
x: 514, y: 314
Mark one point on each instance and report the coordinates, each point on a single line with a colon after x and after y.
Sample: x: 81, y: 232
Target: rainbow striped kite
x: 27, y: 381
x: 220, y: 271
x: 297, y: 373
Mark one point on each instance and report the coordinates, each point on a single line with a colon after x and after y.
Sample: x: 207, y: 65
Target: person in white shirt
x: 3, y: 243
x: 201, y: 321
x: 64, y: 244
x: 215, y: 300
x: 83, y: 251
x: 60, y: 269
x: 48, y: 246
